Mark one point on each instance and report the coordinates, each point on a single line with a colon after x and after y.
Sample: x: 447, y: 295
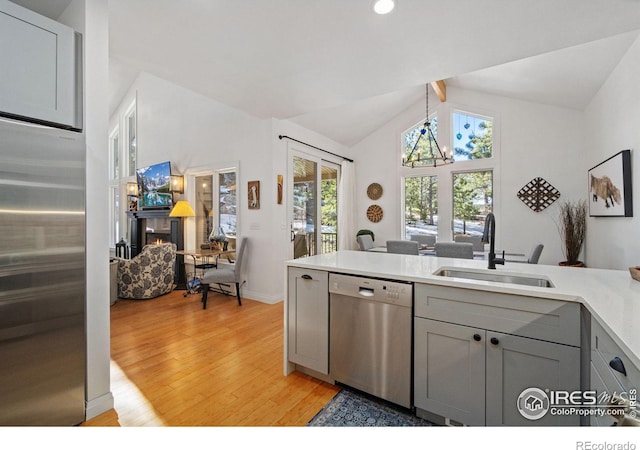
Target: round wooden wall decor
x: 374, y: 191
x: 374, y: 213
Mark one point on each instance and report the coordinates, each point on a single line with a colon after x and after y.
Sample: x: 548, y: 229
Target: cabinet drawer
x: 603, y: 351
x: 538, y: 318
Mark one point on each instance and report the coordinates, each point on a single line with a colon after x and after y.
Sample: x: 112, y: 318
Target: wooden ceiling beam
x: 440, y: 88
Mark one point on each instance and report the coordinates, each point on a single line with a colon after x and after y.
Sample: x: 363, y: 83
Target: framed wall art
x: 253, y: 188
x: 610, y: 187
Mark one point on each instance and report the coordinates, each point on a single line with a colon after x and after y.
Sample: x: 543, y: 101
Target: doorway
x: 313, y: 184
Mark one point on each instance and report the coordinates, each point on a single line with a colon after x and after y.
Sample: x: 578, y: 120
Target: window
x: 219, y: 210
x: 131, y: 149
x: 203, y: 208
x: 472, y: 201
x: 114, y: 186
x: 450, y: 199
x: 227, y: 203
x: 329, y: 207
x: 114, y: 149
x: 421, y: 205
x: 114, y: 200
x: 419, y: 155
x: 472, y: 136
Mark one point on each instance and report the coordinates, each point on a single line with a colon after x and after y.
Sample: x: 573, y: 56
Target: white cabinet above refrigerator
x: 39, y: 68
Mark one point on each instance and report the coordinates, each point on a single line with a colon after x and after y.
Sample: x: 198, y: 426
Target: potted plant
x: 573, y: 227
x: 369, y: 232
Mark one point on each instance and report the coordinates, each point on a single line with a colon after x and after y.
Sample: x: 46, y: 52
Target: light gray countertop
x: 611, y: 296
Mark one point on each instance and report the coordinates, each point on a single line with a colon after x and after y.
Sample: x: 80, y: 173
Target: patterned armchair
x: 149, y: 274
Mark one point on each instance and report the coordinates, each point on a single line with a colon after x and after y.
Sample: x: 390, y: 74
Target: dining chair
x: 222, y: 276
x: 534, y: 255
x: 425, y: 240
x: 365, y: 242
x: 478, y: 245
x: 454, y: 250
x: 403, y: 247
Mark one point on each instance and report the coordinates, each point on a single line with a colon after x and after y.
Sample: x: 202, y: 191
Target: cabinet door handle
x: 477, y: 337
x: 617, y: 365
x: 307, y: 277
x: 495, y: 341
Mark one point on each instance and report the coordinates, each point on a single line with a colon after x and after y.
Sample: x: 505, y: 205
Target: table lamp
x: 182, y: 209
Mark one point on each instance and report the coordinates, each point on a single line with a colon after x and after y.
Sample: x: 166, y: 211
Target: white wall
x: 533, y: 140
x: 612, y: 123
x: 91, y: 19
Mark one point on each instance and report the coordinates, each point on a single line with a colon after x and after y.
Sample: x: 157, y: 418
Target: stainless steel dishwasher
x: 370, y: 336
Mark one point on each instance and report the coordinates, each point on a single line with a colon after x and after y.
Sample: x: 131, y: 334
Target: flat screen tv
x: 154, y: 186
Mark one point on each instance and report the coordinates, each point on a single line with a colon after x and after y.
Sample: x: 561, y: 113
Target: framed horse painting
x: 610, y: 187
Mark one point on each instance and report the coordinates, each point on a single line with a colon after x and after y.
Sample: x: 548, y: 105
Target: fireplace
x: 155, y: 225
x: 150, y: 226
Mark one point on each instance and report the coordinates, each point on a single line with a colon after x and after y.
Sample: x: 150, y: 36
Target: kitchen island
x: 605, y: 301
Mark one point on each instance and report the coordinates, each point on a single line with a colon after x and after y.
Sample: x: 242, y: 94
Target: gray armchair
x: 225, y: 276
x: 149, y: 274
x: 454, y: 250
x: 403, y: 247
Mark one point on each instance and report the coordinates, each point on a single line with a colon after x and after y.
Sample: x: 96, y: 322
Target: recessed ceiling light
x: 384, y: 6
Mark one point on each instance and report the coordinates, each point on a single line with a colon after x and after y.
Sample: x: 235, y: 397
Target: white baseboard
x: 260, y: 297
x: 99, y: 405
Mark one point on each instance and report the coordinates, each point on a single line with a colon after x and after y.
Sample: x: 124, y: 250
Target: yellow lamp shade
x: 182, y: 209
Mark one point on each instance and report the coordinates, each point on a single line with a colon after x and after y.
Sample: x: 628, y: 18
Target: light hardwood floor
x: 175, y: 364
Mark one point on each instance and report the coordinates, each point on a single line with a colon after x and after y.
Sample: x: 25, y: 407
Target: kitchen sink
x: 512, y: 278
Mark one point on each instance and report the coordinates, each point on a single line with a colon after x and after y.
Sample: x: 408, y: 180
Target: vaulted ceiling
x: 337, y: 68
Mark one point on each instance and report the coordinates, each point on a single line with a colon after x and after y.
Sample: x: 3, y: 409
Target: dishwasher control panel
x: 394, y: 292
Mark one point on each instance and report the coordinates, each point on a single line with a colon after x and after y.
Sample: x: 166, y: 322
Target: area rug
x: 355, y: 409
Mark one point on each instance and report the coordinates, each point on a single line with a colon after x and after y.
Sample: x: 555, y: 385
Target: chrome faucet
x: 489, y: 236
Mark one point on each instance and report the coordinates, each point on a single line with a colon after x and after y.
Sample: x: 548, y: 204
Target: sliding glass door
x: 313, y: 187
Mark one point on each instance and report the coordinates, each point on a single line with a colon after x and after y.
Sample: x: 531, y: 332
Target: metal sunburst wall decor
x: 538, y: 194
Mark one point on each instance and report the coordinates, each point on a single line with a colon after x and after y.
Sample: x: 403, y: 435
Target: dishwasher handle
x: 366, y: 292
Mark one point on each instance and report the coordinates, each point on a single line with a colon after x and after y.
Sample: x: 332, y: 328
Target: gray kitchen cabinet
x: 449, y: 370
x: 612, y: 375
x: 514, y: 364
x: 308, y: 318
x: 471, y: 364
x: 40, y: 79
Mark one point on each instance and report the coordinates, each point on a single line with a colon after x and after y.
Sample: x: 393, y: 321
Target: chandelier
x: 432, y: 155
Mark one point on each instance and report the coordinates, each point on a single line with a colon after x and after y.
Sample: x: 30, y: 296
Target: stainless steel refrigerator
x: 42, y: 275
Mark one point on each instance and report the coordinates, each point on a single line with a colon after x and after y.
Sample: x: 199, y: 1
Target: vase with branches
x: 573, y: 228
